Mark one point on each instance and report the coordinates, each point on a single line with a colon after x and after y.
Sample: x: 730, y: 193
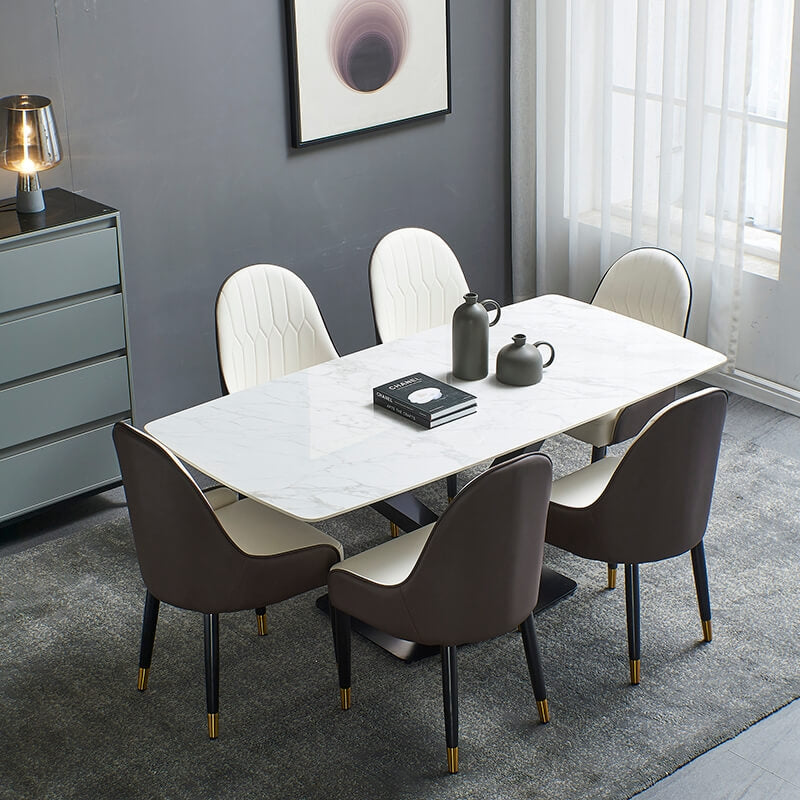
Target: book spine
x: 384, y: 402
x: 382, y: 399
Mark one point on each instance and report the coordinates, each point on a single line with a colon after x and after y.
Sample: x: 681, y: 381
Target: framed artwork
x: 359, y: 65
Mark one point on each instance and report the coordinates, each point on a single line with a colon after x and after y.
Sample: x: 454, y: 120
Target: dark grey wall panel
x: 177, y: 114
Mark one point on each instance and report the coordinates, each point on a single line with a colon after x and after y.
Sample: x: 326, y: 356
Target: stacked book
x: 424, y: 400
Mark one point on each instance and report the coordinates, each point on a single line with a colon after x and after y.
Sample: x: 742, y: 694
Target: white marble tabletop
x: 312, y: 444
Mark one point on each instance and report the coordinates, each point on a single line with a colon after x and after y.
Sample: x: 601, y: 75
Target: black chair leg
x: 701, y: 584
x: 633, y: 617
x: 211, y: 640
x: 450, y: 695
x: 340, y: 624
x: 535, y: 668
x: 452, y: 487
x: 261, y: 620
x: 149, y: 622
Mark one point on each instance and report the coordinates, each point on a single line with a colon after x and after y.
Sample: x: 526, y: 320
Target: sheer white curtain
x: 657, y: 122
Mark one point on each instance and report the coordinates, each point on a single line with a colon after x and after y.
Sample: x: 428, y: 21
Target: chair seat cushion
x: 390, y: 563
x: 599, y: 432
x: 259, y: 530
x: 581, y: 488
x: 220, y: 496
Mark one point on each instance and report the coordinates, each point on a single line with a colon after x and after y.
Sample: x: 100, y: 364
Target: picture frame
x: 362, y: 65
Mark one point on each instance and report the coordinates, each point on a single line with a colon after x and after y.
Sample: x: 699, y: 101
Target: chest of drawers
x: 64, y: 369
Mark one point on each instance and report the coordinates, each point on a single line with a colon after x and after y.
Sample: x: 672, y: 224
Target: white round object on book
x: 425, y: 395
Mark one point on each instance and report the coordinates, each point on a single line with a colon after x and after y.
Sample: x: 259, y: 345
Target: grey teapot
x: 520, y: 364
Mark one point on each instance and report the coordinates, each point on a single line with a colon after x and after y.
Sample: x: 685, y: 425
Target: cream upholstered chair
x: 209, y: 553
x: 268, y: 325
x: 651, y: 285
x: 415, y: 282
x: 471, y: 576
x: 648, y: 505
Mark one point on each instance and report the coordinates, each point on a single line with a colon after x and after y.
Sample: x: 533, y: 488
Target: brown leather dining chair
x: 648, y: 505
x: 469, y: 577
x: 238, y: 556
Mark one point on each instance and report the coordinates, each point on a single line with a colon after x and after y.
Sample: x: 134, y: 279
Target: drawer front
x: 38, y: 273
x: 56, y: 471
x: 64, y: 336
x: 64, y: 401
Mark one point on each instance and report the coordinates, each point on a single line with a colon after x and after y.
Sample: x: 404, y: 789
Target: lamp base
x: 29, y: 194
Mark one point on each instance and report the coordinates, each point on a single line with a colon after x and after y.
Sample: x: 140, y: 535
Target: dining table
x: 313, y: 445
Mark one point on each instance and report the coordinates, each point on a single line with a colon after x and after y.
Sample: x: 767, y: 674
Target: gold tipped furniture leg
x: 706, y: 629
x: 635, y: 670
x: 344, y: 695
x: 395, y: 530
x: 612, y: 577
x: 144, y: 674
x: 543, y: 708
x: 452, y: 760
x: 261, y: 620
x: 213, y: 726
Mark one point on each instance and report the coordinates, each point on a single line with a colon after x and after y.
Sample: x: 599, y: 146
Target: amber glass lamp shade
x: 28, y: 144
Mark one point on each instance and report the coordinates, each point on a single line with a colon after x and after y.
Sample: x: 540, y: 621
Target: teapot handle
x: 486, y: 303
x: 552, y: 353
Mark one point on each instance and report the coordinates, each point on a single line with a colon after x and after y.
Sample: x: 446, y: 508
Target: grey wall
x: 176, y: 112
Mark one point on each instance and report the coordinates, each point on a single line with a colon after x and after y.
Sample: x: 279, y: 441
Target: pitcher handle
x: 552, y: 353
x: 486, y: 303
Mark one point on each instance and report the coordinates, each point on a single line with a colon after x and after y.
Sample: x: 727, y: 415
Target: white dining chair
x: 651, y: 285
x: 268, y: 325
x: 415, y: 283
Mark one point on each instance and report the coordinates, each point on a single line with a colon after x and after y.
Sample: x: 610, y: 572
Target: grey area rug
x: 75, y: 726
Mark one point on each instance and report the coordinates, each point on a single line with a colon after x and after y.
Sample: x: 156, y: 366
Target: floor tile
x: 721, y: 775
x: 774, y: 744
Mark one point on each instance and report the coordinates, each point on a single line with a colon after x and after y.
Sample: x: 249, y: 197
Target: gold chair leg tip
x: 144, y: 674
x: 452, y: 760
x: 707, y: 630
x: 543, y: 708
x: 344, y: 696
x: 213, y: 726
x: 612, y: 578
x: 394, y: 530
x: 636, y: 671
x: 261, y: 619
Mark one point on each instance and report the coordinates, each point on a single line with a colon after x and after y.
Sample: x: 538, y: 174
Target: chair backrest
x: 648, y: 284
x: 478, y: 574
x: 184, y: 554
x: 415, y: 282
x: 657, y: 502
x: 268, y: 325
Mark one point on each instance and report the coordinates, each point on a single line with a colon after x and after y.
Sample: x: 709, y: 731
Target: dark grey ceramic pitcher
x: 520, y: 363
x: 471, y: 337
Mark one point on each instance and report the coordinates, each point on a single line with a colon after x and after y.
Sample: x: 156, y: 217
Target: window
x: 682, y: 107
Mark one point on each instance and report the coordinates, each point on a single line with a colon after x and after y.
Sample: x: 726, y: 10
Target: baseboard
x: 760, y: 389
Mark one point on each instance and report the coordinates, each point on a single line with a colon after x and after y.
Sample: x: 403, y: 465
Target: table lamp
x: 28, y: 144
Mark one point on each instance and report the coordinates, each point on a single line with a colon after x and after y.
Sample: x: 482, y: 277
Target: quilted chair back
x: 648, y: 284
x: 416, y: 283
x: 268, y: 325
